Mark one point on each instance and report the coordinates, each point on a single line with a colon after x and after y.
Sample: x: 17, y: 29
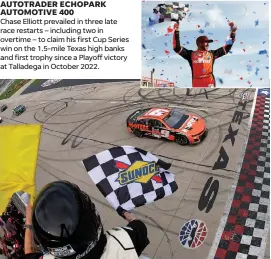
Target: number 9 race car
x: 172, y: 124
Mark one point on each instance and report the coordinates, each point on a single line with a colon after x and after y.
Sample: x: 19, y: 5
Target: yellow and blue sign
x: 138, y: 172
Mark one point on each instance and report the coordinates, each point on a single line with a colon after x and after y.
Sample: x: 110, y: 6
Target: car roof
x: 155, y: 113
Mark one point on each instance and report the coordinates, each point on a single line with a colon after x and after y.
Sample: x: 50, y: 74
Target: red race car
x: 173, y: 124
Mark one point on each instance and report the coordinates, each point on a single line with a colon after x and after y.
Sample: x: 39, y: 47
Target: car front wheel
x: 181, y: 140
x: 138, y: 133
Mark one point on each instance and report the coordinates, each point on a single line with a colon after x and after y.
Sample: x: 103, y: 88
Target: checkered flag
x: 130, y: 177
x: 171, y: 12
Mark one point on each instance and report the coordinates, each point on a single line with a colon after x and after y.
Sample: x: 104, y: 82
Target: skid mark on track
x: 128, y: 101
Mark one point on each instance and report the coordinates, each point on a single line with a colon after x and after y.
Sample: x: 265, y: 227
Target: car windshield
x: 18, y: 107
x: 176, y: 119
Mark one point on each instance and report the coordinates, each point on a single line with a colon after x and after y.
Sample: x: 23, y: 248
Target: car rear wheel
x: 138, y: 133
x: 181, y: 140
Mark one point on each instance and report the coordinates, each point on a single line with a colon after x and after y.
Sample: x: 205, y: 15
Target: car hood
x: 193, y: 126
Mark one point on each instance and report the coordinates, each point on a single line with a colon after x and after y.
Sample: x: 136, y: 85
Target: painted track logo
x: 138, y: 172
x: 193, y: 233
x: 264, y: 91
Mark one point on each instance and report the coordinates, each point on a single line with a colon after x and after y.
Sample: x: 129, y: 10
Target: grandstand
x: 148, y: 82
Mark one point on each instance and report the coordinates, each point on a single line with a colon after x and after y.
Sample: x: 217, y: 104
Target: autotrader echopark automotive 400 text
x: 45, y: 7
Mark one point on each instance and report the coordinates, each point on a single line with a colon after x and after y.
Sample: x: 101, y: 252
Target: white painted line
x: 227, y: 208
x: 267, y: 215
x: 81, y: 101
x: 187, y: 108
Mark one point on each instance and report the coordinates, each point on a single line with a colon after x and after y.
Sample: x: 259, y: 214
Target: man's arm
x: 28, y: 237
x: 137, y: 231
x: 225, y: 49
x: 29, y: 244
x: 185, y: 53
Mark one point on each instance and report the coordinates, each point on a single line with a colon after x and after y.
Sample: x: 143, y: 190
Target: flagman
x: 67, y: 225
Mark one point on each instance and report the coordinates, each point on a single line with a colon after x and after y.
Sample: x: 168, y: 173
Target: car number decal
x: 164, y: 133
x: 157, y: 112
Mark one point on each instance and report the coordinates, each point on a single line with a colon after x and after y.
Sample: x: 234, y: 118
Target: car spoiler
x: 132, y: 117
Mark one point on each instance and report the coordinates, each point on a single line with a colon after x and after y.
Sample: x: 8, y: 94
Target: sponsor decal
x: 139, y: 172
x: 62, y: 251
x: 164, y: 133
x: 138, y: 126
x: 91, y: 245
x: 193, y: 233
x: 156, y: 133
x: 202, y: 60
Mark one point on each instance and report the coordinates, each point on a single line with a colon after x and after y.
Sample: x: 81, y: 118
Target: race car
x: 172, y: 124
x: 3, y: 108
x: 19, y: 109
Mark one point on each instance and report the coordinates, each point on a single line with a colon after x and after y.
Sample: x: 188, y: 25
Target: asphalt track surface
x: 37, y: 86
x: 83, y: 121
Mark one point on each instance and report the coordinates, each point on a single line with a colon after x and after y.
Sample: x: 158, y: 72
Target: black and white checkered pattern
x: 255, y: 225
x: 173, y: 11
x: 103, y: 172
x: 247, y: 226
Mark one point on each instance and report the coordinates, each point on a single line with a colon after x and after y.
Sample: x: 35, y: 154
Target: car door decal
x: 164, y: 133
x: 156, y: 132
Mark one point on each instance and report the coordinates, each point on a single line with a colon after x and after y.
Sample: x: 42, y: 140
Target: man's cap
x: 203, y: 39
